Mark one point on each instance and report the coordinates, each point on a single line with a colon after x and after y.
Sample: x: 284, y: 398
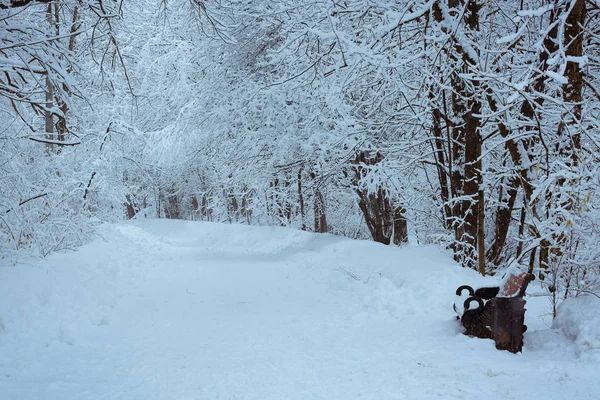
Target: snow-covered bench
x: 500, y: 314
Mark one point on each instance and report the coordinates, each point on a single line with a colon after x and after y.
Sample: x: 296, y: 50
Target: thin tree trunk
x: 400, y: 226
x: 502, y: 223
x: 61, y: 124
x: 48, y: 119
x: 441, y: 164
x: 301, y: 200
x: 521, y: 231
x: 481, y: 232
x: 319, y: 210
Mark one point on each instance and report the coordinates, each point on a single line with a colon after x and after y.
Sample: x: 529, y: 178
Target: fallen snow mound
x: 579, y: 319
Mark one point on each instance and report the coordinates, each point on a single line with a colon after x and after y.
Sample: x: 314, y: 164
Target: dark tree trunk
x: 301, y: 200
x: 246, y: 210
x: 385, y: 220
x: 172, y: 206
x: 502, y: 223
x: 320, y: 215
x: 131, y: 207
x: 195, y: 205
x: 205, y: 210
x: 400, y: 226
x: 441, y: 167
x: 466, y: 196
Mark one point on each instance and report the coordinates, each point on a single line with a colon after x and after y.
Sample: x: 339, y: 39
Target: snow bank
x: 181, y: 237
x: 579, y: 319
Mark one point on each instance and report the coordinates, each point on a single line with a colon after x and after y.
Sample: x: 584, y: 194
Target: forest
x: 470, y: 124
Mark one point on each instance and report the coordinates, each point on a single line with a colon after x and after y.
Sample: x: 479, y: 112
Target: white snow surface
x: 175, y: 310
x: 579, y: 319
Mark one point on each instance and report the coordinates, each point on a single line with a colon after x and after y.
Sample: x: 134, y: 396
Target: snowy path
x: 176, y: 311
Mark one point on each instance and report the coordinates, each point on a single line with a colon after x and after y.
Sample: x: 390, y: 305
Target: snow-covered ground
x: 179, y: 310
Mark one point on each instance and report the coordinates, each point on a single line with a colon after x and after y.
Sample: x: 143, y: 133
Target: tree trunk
x: 48, y: 119
x: 466, y: 142
x: 400, y: 226
x: 319, y: 210
x: 131, y: 207
x: 301, y: 200
x: 61, y: 124
x: 385, y: 220
x: 440, y: 161
x: 172, y: 206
